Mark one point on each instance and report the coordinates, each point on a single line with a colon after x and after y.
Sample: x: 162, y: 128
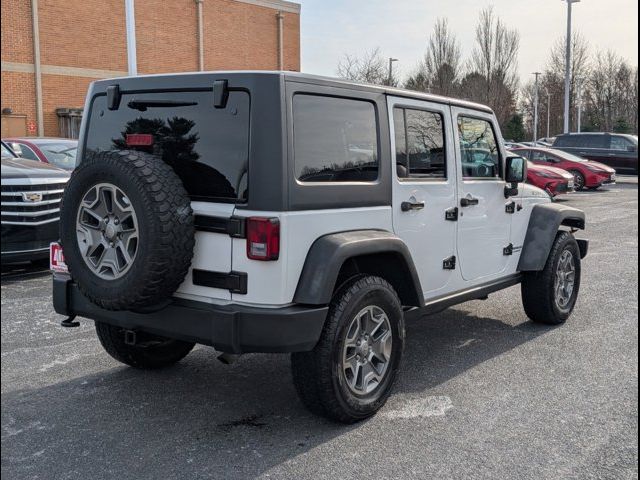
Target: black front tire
x: 579, y: 180
x: 149, y: 352
x: 319, y: 376
x: 539, y: 293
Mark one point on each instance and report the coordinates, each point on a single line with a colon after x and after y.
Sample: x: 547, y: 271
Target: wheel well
x: 390, y: 266
x: 574, y: 222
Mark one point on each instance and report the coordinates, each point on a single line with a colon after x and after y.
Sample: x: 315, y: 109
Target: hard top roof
x: 303, y: 78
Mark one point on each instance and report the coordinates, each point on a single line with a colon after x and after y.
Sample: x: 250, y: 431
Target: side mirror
x: 515, y: 173
x: 632, y: 148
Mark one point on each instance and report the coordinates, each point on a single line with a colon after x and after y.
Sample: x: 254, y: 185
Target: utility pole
x: 567, y: 70
x: 391, y: 60
x: 535, y: 110
x: 548, y: 113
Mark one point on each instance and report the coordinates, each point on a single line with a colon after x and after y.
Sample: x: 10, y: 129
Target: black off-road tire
x: 538, y: 296
x: 149, y: 352
x: 317, y: 374
x: 165, y: 224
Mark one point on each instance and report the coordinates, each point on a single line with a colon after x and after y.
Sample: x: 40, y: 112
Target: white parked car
x: 281, y: 212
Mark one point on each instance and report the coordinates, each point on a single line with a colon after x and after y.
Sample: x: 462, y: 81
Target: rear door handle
x: 408, y: 206
x: 468, y: 201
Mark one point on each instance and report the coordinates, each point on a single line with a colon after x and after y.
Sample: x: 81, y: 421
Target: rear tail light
x: 263, y: 238
x: 56, y: 259
x: 139, y: 139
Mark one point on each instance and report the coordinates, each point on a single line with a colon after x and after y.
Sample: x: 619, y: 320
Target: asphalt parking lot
x: 484, y: 393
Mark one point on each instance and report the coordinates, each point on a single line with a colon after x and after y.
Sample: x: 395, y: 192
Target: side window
x: 537, y: 156
x: 26, y: 152
x: 620, y: 143
x: 420, y: 151
x: 334, y: 139
x: 591, y: 141
x: 479, y: 150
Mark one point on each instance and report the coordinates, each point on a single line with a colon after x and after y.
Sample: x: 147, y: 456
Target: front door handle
x: 468, y: 201
x: 408, y: 206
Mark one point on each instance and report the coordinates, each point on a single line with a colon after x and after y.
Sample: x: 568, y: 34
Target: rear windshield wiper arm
x: 142, y: 105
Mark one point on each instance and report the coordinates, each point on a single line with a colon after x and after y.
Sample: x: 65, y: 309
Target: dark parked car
x: 587, y: 174
x: 616, y: 150
x: 60, y: 152
x: 31, y: 193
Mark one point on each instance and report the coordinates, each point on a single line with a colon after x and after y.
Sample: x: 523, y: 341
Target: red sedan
x: 554, y: 181
x: 586, y: 173
x: 60, y: 152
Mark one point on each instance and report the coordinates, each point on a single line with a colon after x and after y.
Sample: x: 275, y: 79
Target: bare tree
x: 439, y: 72
x: 495, y: 58
x: 612, y: 94
x: 580, y: 65
x: 371, y: 68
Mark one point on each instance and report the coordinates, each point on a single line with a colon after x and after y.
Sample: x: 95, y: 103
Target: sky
x: 401, y: 28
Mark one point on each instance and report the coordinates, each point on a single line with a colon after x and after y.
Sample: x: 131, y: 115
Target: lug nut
x: 106, y: 219
x: 116, y: 221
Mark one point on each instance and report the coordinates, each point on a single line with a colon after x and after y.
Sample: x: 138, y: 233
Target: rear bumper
x: 228, y: 328
x: 25, y: 255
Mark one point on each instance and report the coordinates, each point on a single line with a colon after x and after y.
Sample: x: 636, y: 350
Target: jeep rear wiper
x: 142, y: 105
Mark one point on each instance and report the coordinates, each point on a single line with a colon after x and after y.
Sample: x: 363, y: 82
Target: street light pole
x: 535, y: 110
x: 391, y: 60
x: 567, y: 70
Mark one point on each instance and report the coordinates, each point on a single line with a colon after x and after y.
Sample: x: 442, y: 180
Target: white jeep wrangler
x: 281, y: 212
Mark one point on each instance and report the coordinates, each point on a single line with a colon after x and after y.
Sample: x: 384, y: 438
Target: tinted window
x: 207, y: 147
x: 566, y: 141
x: 478, y: 148
x: 24, y: 151
x: 592, y: 141
x: 334, y: 139
x: 620, y: 143
x: 419, y: 144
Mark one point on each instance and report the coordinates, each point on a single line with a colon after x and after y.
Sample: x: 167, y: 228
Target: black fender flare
x: 328, y: 254
x: 544, y: 223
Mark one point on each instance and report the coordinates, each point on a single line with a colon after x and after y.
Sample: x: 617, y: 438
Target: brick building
x: 84, y: 40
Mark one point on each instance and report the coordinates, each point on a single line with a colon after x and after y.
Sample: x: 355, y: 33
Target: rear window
x: 207, y: 147
x: 334, y: 139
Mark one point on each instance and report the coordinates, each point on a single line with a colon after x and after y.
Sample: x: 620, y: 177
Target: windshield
x: 6, y: 153
x: 61, y: 154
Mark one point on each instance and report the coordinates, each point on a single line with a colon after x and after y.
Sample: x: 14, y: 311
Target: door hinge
x: 449, y: 263
x: 451, y: 214
x: 510, y: 207
x: 508, y: 250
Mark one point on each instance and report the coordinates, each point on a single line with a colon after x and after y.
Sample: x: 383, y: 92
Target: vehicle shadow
x: 12, y: 272
x: 203, y: 419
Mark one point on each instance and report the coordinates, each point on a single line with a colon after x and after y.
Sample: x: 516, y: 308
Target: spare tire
x: 126, y: 227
